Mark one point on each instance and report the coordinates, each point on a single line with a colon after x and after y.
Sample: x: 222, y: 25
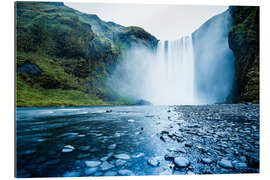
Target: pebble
x: 240, y: 166
x: 188, y: 144
x: 153, y: 162
x: 106, y: 166
x: 92, y: 163
x: 138, y: 155
x: 110, y: 173
x: 131, y: 120
x: 122, y: 156
x: 225, y: 164
x: 120, y: 162
x: 112, y: 146
x: 181, y: 162
x: 207, y: 160
x: 125, y: 172
x: 68, y: 148
x: 90, y: 171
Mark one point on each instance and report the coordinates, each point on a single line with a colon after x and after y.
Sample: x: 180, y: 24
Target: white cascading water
x: 174, y: 73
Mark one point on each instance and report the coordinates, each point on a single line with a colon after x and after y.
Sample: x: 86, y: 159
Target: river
x: 137, y: 140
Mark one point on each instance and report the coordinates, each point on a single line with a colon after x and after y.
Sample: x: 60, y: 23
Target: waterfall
x: 174, y: 75
x: 195, y: 69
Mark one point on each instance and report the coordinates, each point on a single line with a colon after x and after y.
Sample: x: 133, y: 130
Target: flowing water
x: 136, y: 140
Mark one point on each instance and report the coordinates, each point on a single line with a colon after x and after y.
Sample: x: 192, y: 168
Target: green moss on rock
x: 244, y: 42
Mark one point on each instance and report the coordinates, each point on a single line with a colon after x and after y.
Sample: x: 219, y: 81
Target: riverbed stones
x: 120, y: 162
x: 131, y: 120
x: 112, y: 146
x: 67, y: 148
x: 125, y: 172
x: 106, y: 166
x: 90, y: 171
x: 138, y: 155
x: 110, y: 173
x: 240, y: 165
x: 92, y: 163
x: 181, y: 162
x: 225, y: 164
x: 153, y: 162
x: 236, y: 141
x: 207, y: 160
x: 122, y: 156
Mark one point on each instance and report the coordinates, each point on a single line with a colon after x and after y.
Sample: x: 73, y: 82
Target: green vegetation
x: 64, y: 57
x: 244, y: 42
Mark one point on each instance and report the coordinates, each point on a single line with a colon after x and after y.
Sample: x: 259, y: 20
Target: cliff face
x: 244, y: 42
x: 73, y: 52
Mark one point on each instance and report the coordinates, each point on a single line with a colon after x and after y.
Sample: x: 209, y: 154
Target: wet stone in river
x: 112, y: 146
x: 90, y: 171
x: 122, y: 156
x: 92, y: 163
x: 207, y: 160
x: 106, y: 166
x: 153, y: 162
x: 225, y: 164
x: 68, y: 148
x: 181, y: 162
x: 125, y: 172
x: 120, y: 162
x: 110, y: 173
x: 240, y: 165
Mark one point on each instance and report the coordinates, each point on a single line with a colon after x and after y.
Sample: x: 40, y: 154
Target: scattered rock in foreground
x: 90, y: 171
x: 120, y: 162
x: 125, y: 172
x: 207, y: 160
x: 225, y: 164
x: 110, y: 173
x: 122, y: 156
x: 153, y: 162
x: 181, y: 162
x: 106, y: 166
x: 138, y: 155
x: 68, y: 148
x: 240, y: 165
x: 131, y: 120
x: 112, y: 146
x: 92, y: 163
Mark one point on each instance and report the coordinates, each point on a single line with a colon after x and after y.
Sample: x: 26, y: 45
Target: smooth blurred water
x: 42, y: 133
x: 174, y: 72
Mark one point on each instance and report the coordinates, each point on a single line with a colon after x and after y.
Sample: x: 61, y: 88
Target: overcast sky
x: 165, y: 22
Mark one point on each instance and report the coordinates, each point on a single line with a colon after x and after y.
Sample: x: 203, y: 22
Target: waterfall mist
x: 195, y: 69
x: 214, y: 60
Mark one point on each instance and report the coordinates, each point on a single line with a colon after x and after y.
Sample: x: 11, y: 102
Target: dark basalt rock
x: 29, y: 68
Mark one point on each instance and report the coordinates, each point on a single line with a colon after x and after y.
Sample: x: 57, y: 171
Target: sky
x: 165, y: 22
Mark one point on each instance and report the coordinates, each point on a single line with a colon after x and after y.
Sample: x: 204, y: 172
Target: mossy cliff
x: 63, y: 56
x: 244, y: 42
